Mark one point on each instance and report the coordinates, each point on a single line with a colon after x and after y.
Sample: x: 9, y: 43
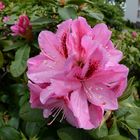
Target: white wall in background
x: 132, y: 11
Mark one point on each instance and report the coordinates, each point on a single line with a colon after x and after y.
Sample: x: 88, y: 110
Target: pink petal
x: 79, y: 107
x: 111, y: 74
x: 46, y: 113
x: 79, y: 28
x: 101, y: 33
x: 120, y: 87
x: 62, y: 34
x: 100, y: 95
x: 41, y: 69
x: 64, y: 27
x: 45, y: 95
x: 63, y: 88
x: 35, y: 91
x: 96, y: 115
x: 49, y: 45
x: 88, y: 45
x: 98, y: 59
x: 70, y: 117
x: 115, y: 55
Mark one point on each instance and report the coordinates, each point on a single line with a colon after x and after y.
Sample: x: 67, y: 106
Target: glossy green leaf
x: 72, y: 134
x: 18, y: 89
x: 23, y: 99
x: 99, y: 132
x: 9, y: 133
x: 114, y: 128
x: 18, y: 66
x: 14, y: 122
x: 32, y: 128
x: 1, y: 59
x: 121, y: 112
x: 115, y: 137
x: 1, y: 120
x: 133, y: 120
x: 28, y: 114
x: 67, y: 13
x: 41, y: 20
x: 134, y: 132
x: 13, y: 46
x: 6, y: 43
x: 97, y: 16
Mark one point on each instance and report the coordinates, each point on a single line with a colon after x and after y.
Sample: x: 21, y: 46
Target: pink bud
x: 134, y: 34
x: 2, y: 6
x: 6, y: 19
x: 22, y: 27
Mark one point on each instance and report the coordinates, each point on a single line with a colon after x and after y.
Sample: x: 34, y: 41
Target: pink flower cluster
x: 134, y: 34
x: 6, y: 19
x: 77, y: 74
x: 2, y: 6
x: 22, y: 27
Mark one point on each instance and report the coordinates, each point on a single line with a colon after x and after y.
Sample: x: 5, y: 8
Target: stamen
x: 56, y: 115
x: 62, y: 118
x: 56, y: 111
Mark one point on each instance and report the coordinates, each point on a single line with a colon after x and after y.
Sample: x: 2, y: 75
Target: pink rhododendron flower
x: 2, y: 6
x: 6, y: 19
x: 77, y: 74
x: 22, y: 27
x: 134, y: 34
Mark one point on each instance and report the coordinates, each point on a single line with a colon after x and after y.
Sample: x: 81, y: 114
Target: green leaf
x: 1, y: 59
x: 77, y: 2
x: 32, y: 128
x: 5, y: 43
x: 134, y: 132
x: 1, y: 120
x: 71, y: 134
x: 114, y: 129
x: 9, y: 133
x: 18, y: 89
x: 128, y: 90
x: 99, y: 132
x: 18, y: 66
x: 133, y: 120
x: 121, y: 111
x: 14, y: 122
x: 31, y: 115
x: 115, y: 137
x: 13, y: 46
x: 23, y: 99
x: 41, y: 20
x: 97, y: 16
x: 67, y: 13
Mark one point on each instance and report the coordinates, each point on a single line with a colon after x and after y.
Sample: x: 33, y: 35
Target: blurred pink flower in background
x: 2, y: 6
x: 6, y: 19
x: 77, y: 74
x: 134, y: 34
x: 22, y: 27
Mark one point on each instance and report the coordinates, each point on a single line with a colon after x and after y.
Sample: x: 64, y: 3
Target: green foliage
x: 99, y: 132
x: 71, y: 134
x: 18, y: 121
x: 31, y: 115
x: 9, y: 133
x: 1, y: 59
x: 67, y: 13
x: 18, y: 66
x: 113, y: 15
